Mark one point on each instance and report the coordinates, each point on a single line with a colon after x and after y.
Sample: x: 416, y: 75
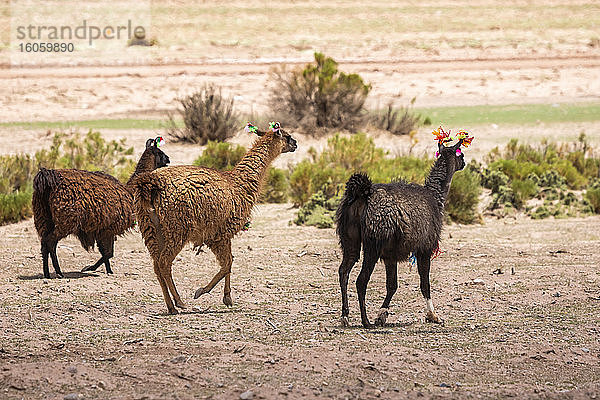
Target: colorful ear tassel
x: 159, y: 141
x: 274, y: 126
x: 250, y: 128
x: 464, y: 135
x: 441, y: 136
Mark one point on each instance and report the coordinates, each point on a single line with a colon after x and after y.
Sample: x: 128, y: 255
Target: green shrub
x: 220, y: 155
x: 320, y: 96
x: 463, y: 197
x: 207, y: 115
x: 277, y: 187
x: 15, y: 206
x: 399, y: 121
x: 318, y: 211
x: 523, y: 190
x: 540, y: 213
x: 592, y: 195
x: 16, y: 172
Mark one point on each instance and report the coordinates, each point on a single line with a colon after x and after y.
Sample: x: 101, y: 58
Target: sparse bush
x: 320, y: 96
x: 523, y: 190
x: 207, y: 115
x: 220, y: 155
x: 399, y: 121
x: 15, y: 206
x: 319, y: 210
x: 592, y: 195
x: 277, y: 187
x: 463, y: 198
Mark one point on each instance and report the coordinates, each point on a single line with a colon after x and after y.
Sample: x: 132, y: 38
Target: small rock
x: 247, y: 395
x: 444, y: 385
x: 585, y: 349
x: 557, y: 294
x: 102, y: 385
x: 478, y: 281
x: 73, y: 396
x: 178, y: 360
x: 72, y: 370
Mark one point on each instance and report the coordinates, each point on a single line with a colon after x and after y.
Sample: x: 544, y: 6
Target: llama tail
x: 44, y: 182
x: 358, y: 189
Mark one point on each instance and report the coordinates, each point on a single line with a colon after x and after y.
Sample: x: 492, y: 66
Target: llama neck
x: 145, y: 164
x: 250, y: 173
x: 439, y: 180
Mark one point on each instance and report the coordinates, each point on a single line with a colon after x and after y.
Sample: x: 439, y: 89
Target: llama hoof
x: 227, y: 300
x: 432, y: 317
x: 89, y: 268
x: 59, y: 275
x: 200, y: 292
x: 109, y: 272
x: 345, y: 322
x: 173, y: 311
x: 381, y: 317
x: 180, y: 304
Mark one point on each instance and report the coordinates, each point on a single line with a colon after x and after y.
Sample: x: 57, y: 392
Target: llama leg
x: 106, y: 247
x: 227, y: 291
x: 350, y: 258
x: 391, y: 284
x: 52, y: 249
x: 163, y: 285
x: 45, y: 253
x: 424, y: 263
x: 168, y: 276
x: 109, y: 252
x: 370, y: 257
x: 222, y: 251
x: 95, y: 266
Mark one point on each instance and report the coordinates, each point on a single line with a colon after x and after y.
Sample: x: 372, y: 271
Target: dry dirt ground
x: 520, y: 298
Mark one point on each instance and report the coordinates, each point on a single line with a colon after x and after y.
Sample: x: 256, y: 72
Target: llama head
x: 277, y: 134
x: 160, y: 158
x: 452, y: 154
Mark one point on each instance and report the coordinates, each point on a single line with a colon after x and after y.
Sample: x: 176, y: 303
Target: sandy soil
x: 52, y: 94
x: 520, y: 299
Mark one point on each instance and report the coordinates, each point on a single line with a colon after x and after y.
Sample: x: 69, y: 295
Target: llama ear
x: 275, y: 127
x: 158, y: 141
x: 251, y: 128
x: 149, y: 143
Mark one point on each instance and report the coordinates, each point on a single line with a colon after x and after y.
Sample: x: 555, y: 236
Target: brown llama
x: 182, y: 204
x: 93, y: 206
